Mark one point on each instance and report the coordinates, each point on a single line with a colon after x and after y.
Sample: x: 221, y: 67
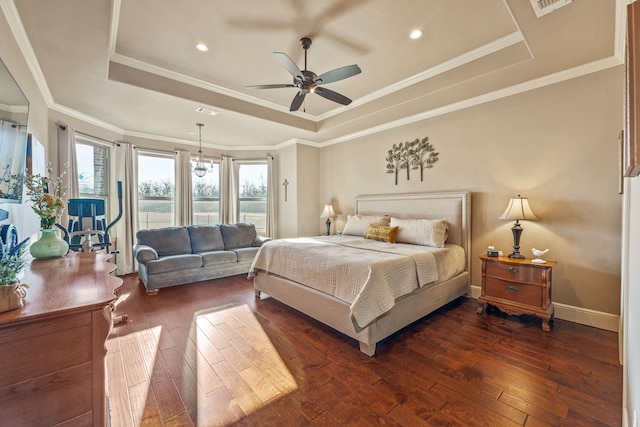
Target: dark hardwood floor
x: 209, y: 353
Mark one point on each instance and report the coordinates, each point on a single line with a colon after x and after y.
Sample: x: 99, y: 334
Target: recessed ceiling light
x: 415, y: 34
x: 202, y: 47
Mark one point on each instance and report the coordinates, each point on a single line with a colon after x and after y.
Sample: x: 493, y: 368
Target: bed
x: 277, y: 272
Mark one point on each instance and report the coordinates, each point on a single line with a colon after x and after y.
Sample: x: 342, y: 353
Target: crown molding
x: 465, y: 58
x: 540, y: 82
x: 85, y: 118
x: 19, y: 34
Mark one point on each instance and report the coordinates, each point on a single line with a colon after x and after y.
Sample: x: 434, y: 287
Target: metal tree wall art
x: 417, y: 154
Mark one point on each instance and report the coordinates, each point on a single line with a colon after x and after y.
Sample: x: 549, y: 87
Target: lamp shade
x: 518, y: 209
x: 328, y: 212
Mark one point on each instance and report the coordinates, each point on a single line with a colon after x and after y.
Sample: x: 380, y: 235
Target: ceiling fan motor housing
x: 308, y: 82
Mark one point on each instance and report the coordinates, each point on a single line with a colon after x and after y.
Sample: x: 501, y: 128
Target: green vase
x: 49, y: 245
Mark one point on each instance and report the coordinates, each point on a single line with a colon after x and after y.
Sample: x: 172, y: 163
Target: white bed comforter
x: 367, y: 274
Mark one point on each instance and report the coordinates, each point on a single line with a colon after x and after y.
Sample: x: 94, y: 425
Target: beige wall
x: 556, y: 145
x: 299, y: 215
x: 287, y: 215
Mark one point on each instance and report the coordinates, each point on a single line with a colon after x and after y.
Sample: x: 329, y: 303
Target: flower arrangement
x: 12, y: 261
x: 47, y: 194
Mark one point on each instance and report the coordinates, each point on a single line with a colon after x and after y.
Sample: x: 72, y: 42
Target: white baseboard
x: 475, y: 291
x: 584, y: 316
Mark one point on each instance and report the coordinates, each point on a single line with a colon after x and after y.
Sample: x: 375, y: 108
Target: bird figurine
x: 538, y: 254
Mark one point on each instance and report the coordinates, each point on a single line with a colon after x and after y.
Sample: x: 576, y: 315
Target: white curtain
x: 272, y: 197
x: 126, y: 171
x: 67, y: 161
x: 227, y: 209
x: 13, y: 152
x: 234, y: 191
x: 68, y: 164
x: 184, y: 194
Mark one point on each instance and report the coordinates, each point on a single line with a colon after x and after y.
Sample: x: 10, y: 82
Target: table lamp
x: 328, y: 213
x: 518, y: 209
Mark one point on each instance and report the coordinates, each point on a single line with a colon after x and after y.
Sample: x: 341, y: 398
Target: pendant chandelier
x: 200, y: 169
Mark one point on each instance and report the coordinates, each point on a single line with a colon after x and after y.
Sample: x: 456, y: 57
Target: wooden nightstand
x: 517, y: 286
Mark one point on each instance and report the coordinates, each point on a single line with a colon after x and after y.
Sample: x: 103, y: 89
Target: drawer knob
x: 512, y: 289
x: 511, y: 270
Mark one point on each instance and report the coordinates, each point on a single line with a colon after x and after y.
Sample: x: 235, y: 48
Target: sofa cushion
x: 166, y: 241
x: 246, y: 254
x: 238, y: 235
x: 174, y: 263
x: 218, y: 257
x: 205, y: 238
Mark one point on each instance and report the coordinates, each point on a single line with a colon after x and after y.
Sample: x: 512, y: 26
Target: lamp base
x: 328, y: 226
x: 517, y: 231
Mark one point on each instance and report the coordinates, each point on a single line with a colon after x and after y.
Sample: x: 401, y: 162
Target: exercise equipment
x: 87, y: 229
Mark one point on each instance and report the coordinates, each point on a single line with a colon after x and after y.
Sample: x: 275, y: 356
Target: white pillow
x: 357, y: 225
x: 425, y: 232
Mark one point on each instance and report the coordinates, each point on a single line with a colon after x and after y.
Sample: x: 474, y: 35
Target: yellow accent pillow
x: 381, y: 233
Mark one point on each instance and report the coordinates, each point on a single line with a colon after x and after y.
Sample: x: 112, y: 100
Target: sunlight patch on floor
x: 237, y: 353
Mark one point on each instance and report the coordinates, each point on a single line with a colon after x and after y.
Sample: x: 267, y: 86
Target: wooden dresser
x: 517, y: 286
x: 52, y: 350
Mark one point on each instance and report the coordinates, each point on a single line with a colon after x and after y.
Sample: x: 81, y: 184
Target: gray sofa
x: 177, y: 255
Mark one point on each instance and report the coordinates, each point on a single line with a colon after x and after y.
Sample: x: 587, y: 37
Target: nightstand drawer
x: 517, y: 292
x: 516, y: 273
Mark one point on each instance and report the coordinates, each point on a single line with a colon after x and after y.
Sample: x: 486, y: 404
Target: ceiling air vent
x: 206, y: 111
x: 542, y: 7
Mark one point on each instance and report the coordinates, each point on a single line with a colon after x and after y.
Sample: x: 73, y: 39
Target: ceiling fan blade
x: 274, y: 86
x: 291, y: 66
x: 260, y: 25
x: 297, y: 101
x: 337, y: 74
x: 332, y: 96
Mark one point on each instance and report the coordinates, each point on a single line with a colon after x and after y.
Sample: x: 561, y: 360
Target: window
x: 93, y: 168
x: 206, y: 196
x: 252, y: 194
x: 156, y: 190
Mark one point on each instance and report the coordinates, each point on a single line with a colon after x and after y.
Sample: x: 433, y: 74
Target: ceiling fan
x: 308, y: 82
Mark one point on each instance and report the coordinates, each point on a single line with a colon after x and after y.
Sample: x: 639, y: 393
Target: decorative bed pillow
x: 381, y: 233
x: 425, y: 232
x: 357, y: 225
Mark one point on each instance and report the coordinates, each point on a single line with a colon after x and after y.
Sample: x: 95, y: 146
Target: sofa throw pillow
x: 381, y: 233
x: 205, y: 238
x: 166, y: 241
x: 425, y: 232
x: 357, y: 225
x: 239, y: 235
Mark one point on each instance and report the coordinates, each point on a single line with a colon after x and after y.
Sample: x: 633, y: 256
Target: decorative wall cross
x: 286, y: 184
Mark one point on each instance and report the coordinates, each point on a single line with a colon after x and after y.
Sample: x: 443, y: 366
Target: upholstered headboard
x: 454, y: 206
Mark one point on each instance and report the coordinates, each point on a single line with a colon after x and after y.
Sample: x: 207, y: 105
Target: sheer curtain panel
x: 68, y: 163
x: 184, y: 195
x: 126, y: 170
x: 272, y: 197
